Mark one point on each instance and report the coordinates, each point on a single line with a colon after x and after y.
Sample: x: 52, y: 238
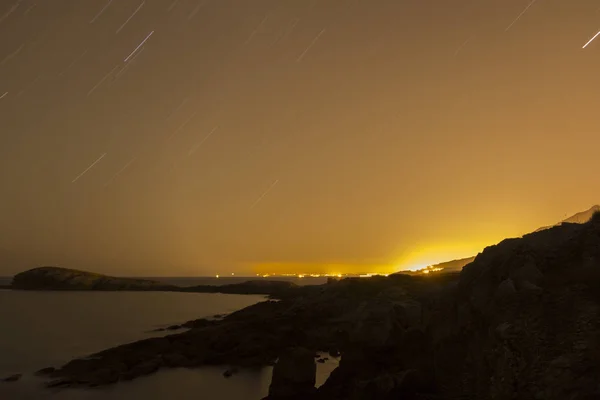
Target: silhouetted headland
x: 56, y: 278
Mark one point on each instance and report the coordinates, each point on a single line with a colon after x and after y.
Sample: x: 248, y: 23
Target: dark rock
x: 12, y: 378
x: 410, y: 382
x: 59, y: 383
x: 529, y: 288
x: 103, y: 376
x: 505, y: 331
x: 230, y: 372
x: 174, y: 327
x: 528, y: 273
x: 146, y: 367
x: 409, y: 312
x: 506, y: 290
x: 45, y: 371
x: 294, y: 375
x: 198, y: 324
x: 175, y: 360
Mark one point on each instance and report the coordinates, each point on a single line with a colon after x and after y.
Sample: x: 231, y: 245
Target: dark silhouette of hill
x: 56, y: 278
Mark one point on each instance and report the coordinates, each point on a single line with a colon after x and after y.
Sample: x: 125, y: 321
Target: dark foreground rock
x: 45, y: 371
x: 12, y: 378
x: 521, y: 322
x: 294, y: 375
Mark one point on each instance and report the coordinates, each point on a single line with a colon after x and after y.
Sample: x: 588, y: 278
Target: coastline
x: 80, y: 323
x: 482, y: 333
x: 64, y: 279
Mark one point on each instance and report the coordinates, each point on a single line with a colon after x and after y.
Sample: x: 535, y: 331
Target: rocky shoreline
x: 522, y: 321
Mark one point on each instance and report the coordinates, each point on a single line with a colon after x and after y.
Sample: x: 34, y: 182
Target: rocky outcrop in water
x: 521, y: 322
x: 294, y: 375
x: 12, y: 378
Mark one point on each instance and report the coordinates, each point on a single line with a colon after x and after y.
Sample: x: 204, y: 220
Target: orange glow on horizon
x: 418, y: 259
x: 428, y: 255
x: 317, y: 269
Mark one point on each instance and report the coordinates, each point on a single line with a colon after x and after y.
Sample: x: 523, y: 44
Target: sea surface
x: 41, y: 329
x: 211, y: 280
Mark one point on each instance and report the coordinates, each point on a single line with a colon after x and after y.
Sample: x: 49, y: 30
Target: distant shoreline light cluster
x: 300, y: 276
x: 334, y: 275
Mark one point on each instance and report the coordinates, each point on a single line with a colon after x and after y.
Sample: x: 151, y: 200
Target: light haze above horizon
x: 202, y: 137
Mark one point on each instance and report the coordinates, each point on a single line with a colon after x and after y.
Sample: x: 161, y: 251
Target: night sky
x: 196, y: 137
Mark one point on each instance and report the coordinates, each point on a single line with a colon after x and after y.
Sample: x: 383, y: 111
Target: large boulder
x: 294, y: 375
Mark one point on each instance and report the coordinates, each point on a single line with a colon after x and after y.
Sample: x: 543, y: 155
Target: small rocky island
x: 56, y: 278
x: 522, y: 321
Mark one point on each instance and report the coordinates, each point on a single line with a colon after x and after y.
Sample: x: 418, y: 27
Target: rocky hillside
x: 521, y: 322
x: 55, y: 278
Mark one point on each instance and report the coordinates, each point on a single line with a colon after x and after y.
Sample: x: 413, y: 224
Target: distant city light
x: 329, y: 275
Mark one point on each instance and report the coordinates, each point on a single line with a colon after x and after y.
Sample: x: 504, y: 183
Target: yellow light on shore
x: 216, y: 276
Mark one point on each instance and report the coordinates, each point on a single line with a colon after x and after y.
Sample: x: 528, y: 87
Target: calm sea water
x: 211, y: 280
x: 40, y: 329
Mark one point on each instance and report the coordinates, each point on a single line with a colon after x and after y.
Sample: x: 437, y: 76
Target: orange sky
x: 364, y: 135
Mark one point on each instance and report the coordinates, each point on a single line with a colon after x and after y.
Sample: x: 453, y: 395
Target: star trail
x: 183, y: 137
